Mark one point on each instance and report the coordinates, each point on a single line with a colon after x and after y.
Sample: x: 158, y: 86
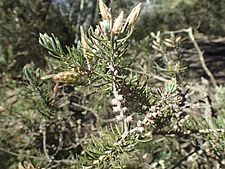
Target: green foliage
x: 205, y: 17
x: 107, y: 149
x: 21, y: 22
x: 110, y: 102
x: 52, y: 44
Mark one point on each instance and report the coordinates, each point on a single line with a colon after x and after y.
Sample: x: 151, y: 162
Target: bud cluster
x: 150, y: 118
x: 118, y: 25
x: 67, y: 76
x: 117, y: 107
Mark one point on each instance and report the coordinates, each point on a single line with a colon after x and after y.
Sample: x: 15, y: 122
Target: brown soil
x: 214, y: 54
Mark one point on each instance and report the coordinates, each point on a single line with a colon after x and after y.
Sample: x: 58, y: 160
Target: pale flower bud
x: 115, y: 102
x: 152, y: 108
x: 129, y: 119
x: 124, y: 109
x: 116, y: 109
x: 104, y: 11
x: 140, y: 129
x: 119, y: 117
x: 134, y: 14
x: 118, y: 23
x: 139, y: 123
x: 119, y: 97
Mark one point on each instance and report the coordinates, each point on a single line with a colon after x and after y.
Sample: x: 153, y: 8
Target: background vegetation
x: 44, y: 124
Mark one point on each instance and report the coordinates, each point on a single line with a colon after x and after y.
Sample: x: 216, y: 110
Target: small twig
x: 201, y: 57
x: 64, y: 161
x: 200, y: 53
x: 183, y: 159
x: 112, y: 120
x: 208, y: 109
x: 149, y: 74
x: 43, y: 127
x: 60, y: 145
x: 188, y: 132
x: 19, y: 155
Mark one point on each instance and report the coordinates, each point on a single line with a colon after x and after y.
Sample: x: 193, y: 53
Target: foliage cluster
x: 102, y: 104
x: 205, y: 17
